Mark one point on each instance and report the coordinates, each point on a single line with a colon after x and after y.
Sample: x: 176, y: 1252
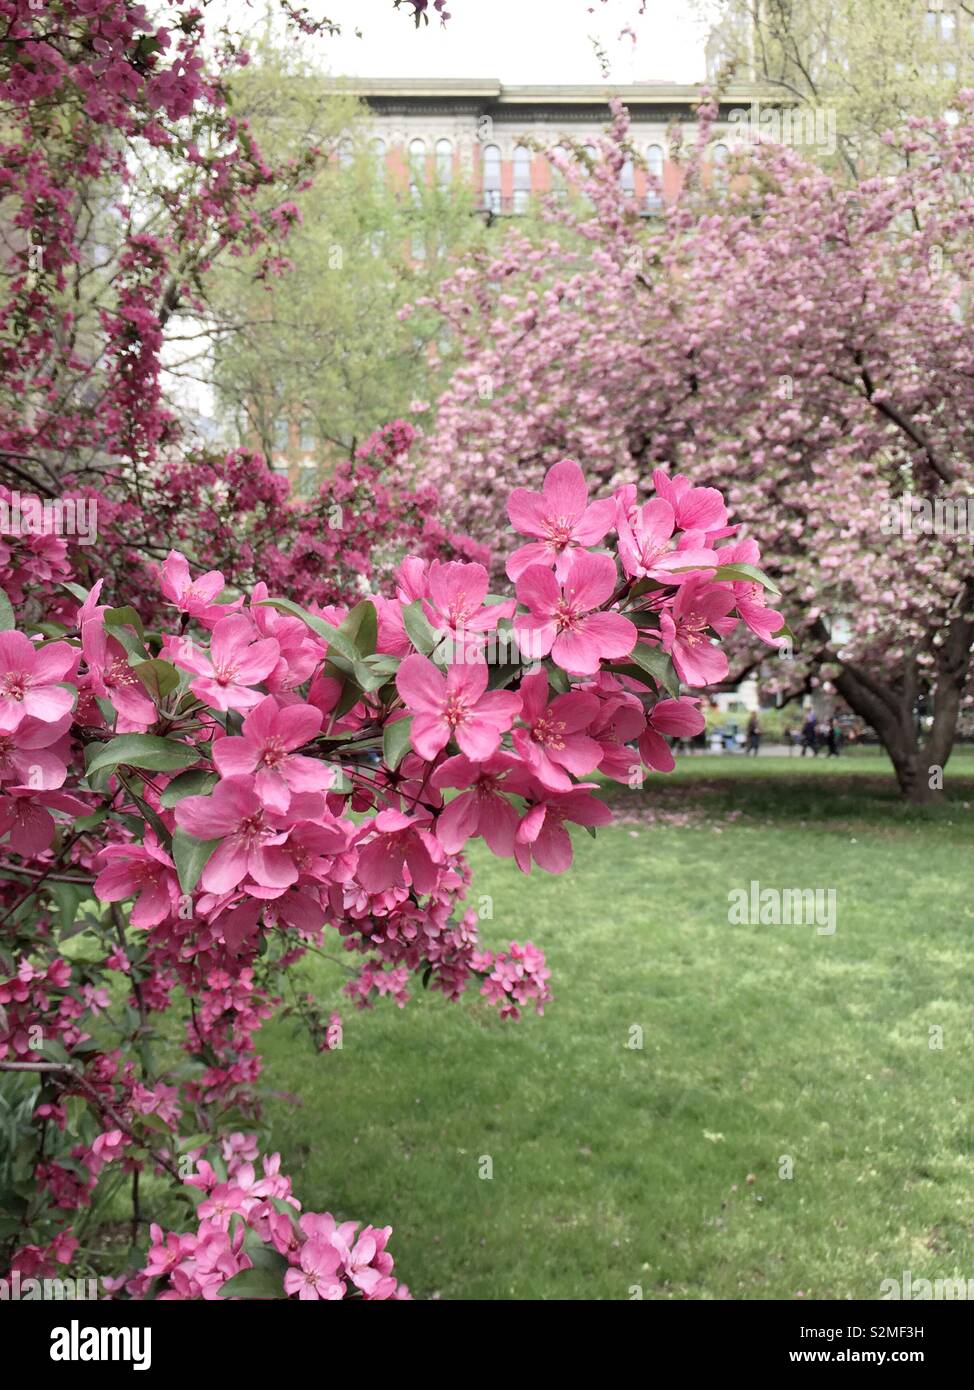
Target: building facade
x: 488, y: 135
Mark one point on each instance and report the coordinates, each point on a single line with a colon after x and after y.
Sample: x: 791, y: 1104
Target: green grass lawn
x: 615, y: 1167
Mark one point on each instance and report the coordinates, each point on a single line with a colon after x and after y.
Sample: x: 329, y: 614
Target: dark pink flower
x: 561, y: 620
x: 234, y: 664
x: 251, y: 842
x: 678, y: 718
x: 29, y: 679
x: 560, y: 516
x: 481, y: 808
x: 700, y: 607
x: 457, y: 705
x: 542, y: 835
x: 694, y: 508
x: 271, y: 733
x: 399, y: 844
x: 553, y: 743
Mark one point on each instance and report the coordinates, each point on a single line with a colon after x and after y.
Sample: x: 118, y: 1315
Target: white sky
x: 517, y: 41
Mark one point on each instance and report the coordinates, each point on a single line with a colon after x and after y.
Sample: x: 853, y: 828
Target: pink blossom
x: 271, y: 733
x: 457, y: 705
x: 647, y: 548
x: 694, y: 508
x: 235, y: 663
x: 482, y: 807
x: 542, y: 835
x: 110, y: 677
x: 398, y: 845
x: 679, y: 718
x: 553, y: 743
x: 193, y: 596
x: 562, y: 621
x: 560, y: 516
x: 144, y: 872
x: 251, y: 842
x: 25, y: 750
x: 29, y: 679
x: 315, y: 1274
x: 699, y: 608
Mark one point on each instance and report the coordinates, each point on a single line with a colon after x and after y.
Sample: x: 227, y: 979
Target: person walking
x: 833, y: 738
x: 810, y: 735
x: 753, y: 733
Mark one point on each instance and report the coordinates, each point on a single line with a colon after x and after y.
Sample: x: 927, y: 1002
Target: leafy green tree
x: 311, y: 360
x: 869, y: 64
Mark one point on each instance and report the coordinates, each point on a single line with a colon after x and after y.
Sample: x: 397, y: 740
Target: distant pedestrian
x: 810, y: 736
x: 753, y: 733
x: 833, y: 738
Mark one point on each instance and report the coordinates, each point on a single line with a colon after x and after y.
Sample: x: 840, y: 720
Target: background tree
x: 805, y: 345
x: 872, y: 64
x: 323, y: 348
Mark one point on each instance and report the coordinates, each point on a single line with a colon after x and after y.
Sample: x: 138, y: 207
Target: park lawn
x: 617, y: 1168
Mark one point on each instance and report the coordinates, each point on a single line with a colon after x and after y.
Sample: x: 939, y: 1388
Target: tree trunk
x: 890, y: 712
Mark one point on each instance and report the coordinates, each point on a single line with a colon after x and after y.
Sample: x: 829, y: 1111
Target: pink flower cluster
x: 303, y: 1255
x: 220, y: 791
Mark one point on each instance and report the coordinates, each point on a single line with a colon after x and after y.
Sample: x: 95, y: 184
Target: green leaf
x: 743, y: 573
x: 76, y: 591
x: 89, y: 822
x: 7, y: 620
x: 655, y: 662
x: 145, y: 751
x: 328, y: 631
x: 196, y: 782
x: 395, y: 741
x: 190, y: 856
x: 419, y: 629
x: 265, y: 1280
x: 158, y: 677
x: 361, y: 627
x: 124, y: 617
x: 69, y: 897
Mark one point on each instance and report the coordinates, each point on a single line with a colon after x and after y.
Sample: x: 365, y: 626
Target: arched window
x: 654, y: 167
x: 346, y: 152
x: 720, y: 163
x: 559, y: 183
x: 522, y: 178
x: 627, y: 178
x: 417, y: 167
x: 379, y: 158
x: 444, y: 162
x: 492, y: 178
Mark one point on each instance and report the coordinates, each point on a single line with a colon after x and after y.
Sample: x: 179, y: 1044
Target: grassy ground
x: 658, y: 1167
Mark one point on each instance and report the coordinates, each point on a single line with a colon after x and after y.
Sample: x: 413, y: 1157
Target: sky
x: 516, y: 41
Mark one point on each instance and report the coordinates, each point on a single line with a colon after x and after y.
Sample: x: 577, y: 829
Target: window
x: 720, y: 162
x: 282, y: 434
x: 559, y: 182
x: 444, y: 163
x: 418, y: 246
x: 492, y: 178
x: 346, y: 152
x: 627, y: 178
x: 308, y: 437
x: 307, y: 482
x: 654, y: 167
x: 522, y: 178
x: 417, y: 168
x: 379, y: 159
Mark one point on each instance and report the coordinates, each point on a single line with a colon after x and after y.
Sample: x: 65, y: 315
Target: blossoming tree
x: 808, y: 343
x: 186, y: 810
